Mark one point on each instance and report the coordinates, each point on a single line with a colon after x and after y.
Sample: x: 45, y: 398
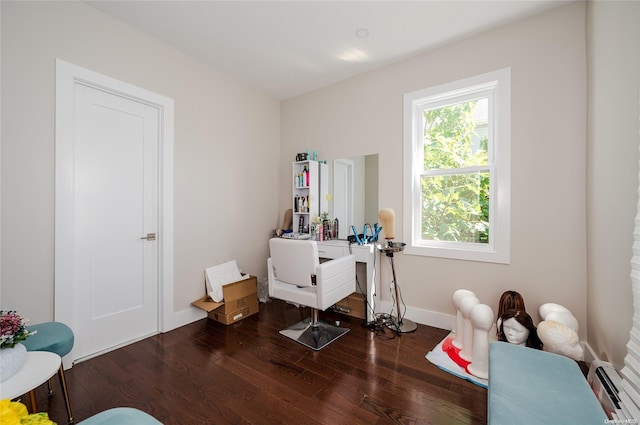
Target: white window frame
x: 497, y: 85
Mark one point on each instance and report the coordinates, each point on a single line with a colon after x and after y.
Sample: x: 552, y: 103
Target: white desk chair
x: 296, y: 276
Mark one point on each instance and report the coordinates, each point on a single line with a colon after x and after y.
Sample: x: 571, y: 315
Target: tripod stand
x: 400, y: 324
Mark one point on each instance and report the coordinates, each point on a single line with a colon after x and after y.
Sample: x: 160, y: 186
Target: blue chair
x: 121, y: 416
x: 54, y: 337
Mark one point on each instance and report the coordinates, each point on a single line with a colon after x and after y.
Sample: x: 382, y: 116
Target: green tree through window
x: 455, y: 181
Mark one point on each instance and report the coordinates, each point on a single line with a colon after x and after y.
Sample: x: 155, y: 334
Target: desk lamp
x: 386, y: 217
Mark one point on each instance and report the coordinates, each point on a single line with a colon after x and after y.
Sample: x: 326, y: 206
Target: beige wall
x: 548, y: 234
x: 613, y: 37
x: 226, y: 148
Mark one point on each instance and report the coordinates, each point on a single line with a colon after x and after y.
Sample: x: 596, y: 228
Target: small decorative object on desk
x: 13, y: 330
x: 15, y: 413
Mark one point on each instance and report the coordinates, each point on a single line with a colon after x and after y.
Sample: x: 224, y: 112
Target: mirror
x: 349, y: 192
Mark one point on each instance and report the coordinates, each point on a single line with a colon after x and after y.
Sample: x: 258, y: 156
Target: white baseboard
x: 418, y: 315
x: 177, y: 319
x: 422, y: 316
x: 589, y: 354
x: 184, y: 317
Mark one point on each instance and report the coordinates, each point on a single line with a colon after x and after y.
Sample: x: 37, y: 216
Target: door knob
x: 149, y: 237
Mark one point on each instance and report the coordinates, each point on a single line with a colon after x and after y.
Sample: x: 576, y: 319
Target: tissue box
x: 240, y: 301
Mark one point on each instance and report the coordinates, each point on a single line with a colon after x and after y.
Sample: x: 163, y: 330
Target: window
x: 457, y: 169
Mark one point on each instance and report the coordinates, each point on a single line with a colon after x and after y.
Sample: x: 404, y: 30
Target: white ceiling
x: 287, y: 48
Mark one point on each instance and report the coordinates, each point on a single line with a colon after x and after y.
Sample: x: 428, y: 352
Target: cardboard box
x: 228, y: 318
x: 353, y: 305
x: 240, y: 299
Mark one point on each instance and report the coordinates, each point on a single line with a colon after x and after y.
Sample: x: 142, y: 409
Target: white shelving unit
x: 305, y: 195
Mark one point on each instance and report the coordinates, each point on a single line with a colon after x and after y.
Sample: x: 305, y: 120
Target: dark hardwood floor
x: 247, y: 373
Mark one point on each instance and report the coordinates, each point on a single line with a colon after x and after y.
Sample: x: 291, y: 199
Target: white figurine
x: 517, y: 328
x: 509, y: 300
x: 466, y: 305
x: 558, y: 331
x: 560, y: 339
x: 482, y: 320
x: 457, y: 298
x: 558, y: 313
x: 515, y: 332
x: 547, y: 308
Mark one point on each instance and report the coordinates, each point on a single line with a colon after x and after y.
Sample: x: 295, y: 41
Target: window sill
x: 456, y: 253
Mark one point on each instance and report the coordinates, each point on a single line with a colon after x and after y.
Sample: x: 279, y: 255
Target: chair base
x: 315, y: 336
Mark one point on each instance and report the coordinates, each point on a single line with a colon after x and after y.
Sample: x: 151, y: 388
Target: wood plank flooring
x: 247, y: 373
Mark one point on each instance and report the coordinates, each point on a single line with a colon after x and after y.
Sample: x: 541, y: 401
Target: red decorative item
x: 454, y: 353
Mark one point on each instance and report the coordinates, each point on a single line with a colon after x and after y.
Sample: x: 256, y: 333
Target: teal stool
x: 54, y: 337
x: 121, y: 416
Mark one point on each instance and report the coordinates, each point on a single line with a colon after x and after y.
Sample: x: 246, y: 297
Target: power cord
x: 400, y: 316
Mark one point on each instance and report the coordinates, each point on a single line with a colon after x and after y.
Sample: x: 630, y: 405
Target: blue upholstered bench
x: 529, y: 386
x: 121, y: 416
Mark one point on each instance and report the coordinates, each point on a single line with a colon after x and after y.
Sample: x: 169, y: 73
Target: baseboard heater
x: 606, y: 384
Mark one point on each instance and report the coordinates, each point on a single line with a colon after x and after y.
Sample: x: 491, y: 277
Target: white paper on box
x: 217, y: 276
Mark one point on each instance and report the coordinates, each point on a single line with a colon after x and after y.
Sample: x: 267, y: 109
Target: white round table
x: 36, y: 370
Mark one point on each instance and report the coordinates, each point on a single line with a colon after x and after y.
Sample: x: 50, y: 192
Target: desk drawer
x: 332, y: 251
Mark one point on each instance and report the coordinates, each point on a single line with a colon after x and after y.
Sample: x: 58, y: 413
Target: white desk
x: 36, y: 370
x: 367, y: 254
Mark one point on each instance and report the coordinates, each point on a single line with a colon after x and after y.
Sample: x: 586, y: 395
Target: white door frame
x: 67, y: 77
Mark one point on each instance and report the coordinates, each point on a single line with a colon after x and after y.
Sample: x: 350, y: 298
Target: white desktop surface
x: 36, y: 370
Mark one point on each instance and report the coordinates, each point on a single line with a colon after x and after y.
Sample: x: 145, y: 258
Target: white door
x: 110, y: 246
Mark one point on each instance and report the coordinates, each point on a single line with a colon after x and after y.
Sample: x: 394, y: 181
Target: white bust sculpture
x: 558, y: 313
x: 515, y: 332
x: 547, y: 308
x: 458, y: 295
x: 558, y: 331
x: 466, y: 305
x: 482, y: 320
x: 560, y: 339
